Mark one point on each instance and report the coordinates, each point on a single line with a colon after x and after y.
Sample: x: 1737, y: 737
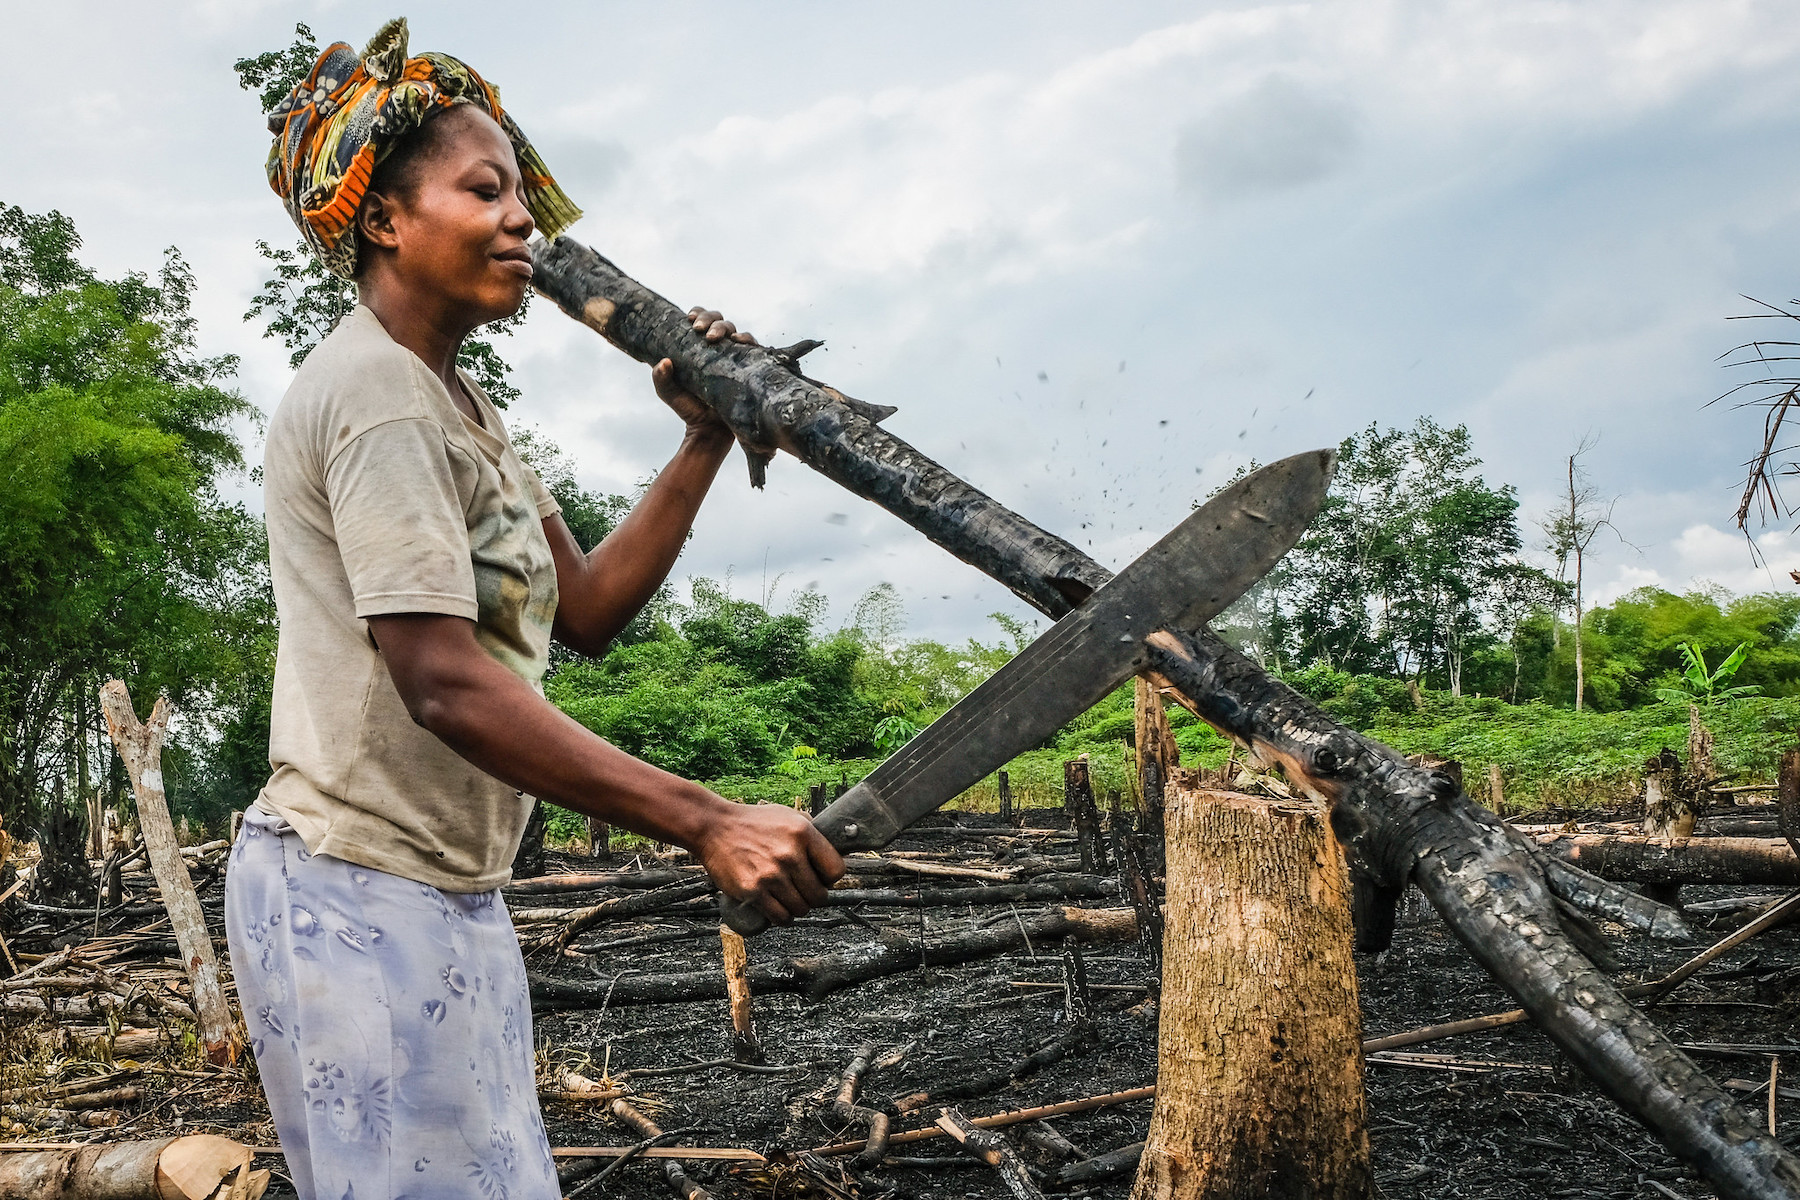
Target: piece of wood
x: 1078, y: 799
x: 599, y: 838
x: 140, y: 747
x: 184, y: 1168
x: 818, y: 975
x: 1102, y: 1166
x: 744, y: 1044
x: 1259, y: 1067
x: 1154, y: 740
x: 1716, y: 860
x: 992, y: 1148
x: 1003, y: 786
x: 1777, y: 913
x: 628, y: 1115
x: 999, y: 1120
x: 1496, y: 789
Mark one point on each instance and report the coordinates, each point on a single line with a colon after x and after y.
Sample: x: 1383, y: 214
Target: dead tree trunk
x: 1259, y: 1086
x: 140, y: 746
x: 528, y: 860
x: 1398, y: 823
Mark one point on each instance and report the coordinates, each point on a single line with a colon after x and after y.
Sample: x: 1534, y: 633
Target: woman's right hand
x: 770, y: 857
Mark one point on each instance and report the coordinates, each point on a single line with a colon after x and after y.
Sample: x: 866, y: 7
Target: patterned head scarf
x: 344, y: 117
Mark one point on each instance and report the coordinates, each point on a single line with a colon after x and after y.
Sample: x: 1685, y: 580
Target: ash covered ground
x: 1533, y: 1128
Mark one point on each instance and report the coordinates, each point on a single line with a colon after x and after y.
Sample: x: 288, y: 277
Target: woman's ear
x: 375, y: 221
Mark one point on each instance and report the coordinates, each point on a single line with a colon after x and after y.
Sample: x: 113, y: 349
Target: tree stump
x: 528, y: 861
x: 1259, y: 1079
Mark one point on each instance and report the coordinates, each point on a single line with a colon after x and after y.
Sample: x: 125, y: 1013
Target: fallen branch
x: 893, y: 952
x: 994, y: 1150
x: 1776, y: 914
x: 999, y: 1120
x: 1720, y: 860
x: 140, y: 746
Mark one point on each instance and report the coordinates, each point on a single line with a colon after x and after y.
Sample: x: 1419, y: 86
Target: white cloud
x: 1530, y: 217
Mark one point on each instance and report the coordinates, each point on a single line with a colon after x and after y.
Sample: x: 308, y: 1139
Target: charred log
x: 892, y: 952
x: 1723, y: 860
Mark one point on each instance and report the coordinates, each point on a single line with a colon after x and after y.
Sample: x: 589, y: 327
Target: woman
x: 420, y: 570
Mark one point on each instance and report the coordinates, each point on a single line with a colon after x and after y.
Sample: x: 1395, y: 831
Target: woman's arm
x: 598, y: 593
x: 766, y: 855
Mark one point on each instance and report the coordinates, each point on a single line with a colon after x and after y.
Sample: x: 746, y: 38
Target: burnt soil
x: 1534, y: 1128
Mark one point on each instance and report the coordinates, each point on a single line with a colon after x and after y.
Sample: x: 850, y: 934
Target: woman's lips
x: 519, y: 266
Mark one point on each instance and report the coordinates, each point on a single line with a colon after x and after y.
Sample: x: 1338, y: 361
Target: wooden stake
x: 1006, y: 800
x: 1259, y: 1078
x: 140, y: 747
x: 1496, y: 789
x: 745, y: 1047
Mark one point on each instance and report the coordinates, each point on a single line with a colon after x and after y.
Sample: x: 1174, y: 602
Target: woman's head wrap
x: 344, y: 117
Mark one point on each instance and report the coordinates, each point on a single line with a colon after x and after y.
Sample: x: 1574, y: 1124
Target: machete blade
x: 1186, y: 579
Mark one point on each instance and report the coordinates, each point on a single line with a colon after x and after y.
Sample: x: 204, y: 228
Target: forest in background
x: 1412, y: 610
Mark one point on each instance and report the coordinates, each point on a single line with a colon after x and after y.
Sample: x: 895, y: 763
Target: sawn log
x: 1503, y: 898
x: 1723, y: 860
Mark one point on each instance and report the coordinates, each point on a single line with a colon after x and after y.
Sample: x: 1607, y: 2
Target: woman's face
x: 457, y: 232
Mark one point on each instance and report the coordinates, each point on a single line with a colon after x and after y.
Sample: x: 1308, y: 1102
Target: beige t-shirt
x: 382, y: 497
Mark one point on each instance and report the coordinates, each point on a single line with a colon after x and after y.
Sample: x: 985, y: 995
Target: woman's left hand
x: 699, y: 416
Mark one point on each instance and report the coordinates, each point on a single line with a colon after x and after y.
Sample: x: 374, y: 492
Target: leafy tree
x: 1703, y: 685
x: 301, y: 302
x: 117, y: 556
x: 1412, y: 569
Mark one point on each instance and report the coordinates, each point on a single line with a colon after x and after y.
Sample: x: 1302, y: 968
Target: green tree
x: 1412, y: 567
x: 117, y: 556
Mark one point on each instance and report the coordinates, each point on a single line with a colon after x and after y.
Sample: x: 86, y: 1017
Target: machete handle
x: 746, y: 919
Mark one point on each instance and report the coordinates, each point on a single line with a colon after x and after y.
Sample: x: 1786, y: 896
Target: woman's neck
x: 434, y: 336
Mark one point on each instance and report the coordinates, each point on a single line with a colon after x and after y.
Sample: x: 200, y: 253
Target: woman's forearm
x: 613, y: 582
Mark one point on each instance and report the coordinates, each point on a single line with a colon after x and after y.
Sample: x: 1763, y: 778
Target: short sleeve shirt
x: 382, y: 497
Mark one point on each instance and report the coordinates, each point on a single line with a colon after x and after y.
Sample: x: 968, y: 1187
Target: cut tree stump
x: 140, y: 746
x: 196, y: 1167
x: 1259, y: 1075
x: 745, y: 1047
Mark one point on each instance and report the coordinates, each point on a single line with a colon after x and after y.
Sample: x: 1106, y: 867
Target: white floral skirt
x: 391, y: 1026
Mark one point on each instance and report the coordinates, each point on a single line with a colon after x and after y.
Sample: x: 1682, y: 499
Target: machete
x: 1186, y: 579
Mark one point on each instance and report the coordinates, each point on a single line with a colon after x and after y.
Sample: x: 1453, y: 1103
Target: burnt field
x: 635, y: 1000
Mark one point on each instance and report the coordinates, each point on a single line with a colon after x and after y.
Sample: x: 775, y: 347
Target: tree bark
x: 1398, y: 823
x: 185, y: 1168
x: 1259, y: 1074
x: 528, y: 861
x: 1721, y: 860
x: 140, y: 746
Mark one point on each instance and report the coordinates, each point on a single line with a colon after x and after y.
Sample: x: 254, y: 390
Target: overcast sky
x: 1098, y: 254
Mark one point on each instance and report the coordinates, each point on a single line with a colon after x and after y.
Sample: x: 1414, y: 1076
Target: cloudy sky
x: 1098, y: 254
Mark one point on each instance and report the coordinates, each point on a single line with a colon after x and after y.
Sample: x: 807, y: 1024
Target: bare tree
x: 1776, y: 390
x: 1570, y: 534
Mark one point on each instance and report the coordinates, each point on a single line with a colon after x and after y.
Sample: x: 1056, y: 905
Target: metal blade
x: 1190, y: 576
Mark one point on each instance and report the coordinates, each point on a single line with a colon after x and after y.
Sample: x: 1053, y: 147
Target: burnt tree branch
x: 1398, y: 822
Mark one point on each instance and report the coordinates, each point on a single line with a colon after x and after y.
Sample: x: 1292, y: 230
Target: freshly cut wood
x: 893, y: 952
x: 1722, y: 860
x: 184, y: 1168
x: 140, y: 746
x: 744, y: 1044
x: 1259, y: 1067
